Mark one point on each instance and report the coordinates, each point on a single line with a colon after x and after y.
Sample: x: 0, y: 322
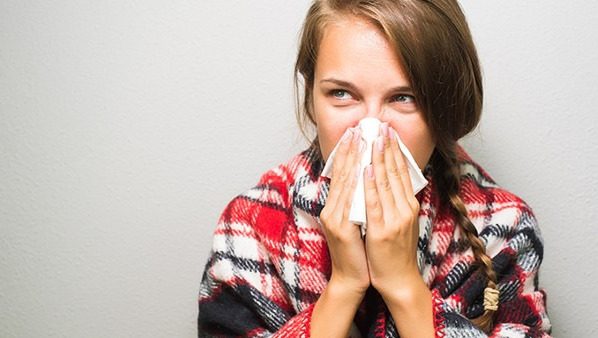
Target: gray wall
x: 126, y: 127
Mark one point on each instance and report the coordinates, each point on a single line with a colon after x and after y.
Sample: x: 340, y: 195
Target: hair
x: 432, y: 41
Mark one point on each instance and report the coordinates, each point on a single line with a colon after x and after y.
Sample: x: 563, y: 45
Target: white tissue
x: 369, y: 132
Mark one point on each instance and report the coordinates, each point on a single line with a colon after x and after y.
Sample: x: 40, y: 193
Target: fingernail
x: 356, y: 134
x: 380, y: 143
x: 357, y: 169
x: 385, y: 129
x: 361, y: 147
x: 369, y: 171
x: 347, y: 135
x: 392, y: 134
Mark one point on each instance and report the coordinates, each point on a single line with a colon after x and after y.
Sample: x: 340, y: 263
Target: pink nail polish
x: 380, y: 143
x: 347, y: 135
x: 361, y: 147
x: 357, y: 169
x: 356, y: 134
x: 385, y: 129
x: 369, y: 171
x: 392, y: 134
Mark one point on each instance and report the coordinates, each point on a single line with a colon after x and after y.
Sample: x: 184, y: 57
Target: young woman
x: 459, y: 259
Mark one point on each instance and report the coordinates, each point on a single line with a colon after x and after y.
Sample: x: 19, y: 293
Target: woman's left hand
x: 392, y: 218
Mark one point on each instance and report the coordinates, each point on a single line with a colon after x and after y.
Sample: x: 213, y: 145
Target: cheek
x: 418, y: 139
x: 331, y: 125
x: 332, y: 122
x: 329, y: 134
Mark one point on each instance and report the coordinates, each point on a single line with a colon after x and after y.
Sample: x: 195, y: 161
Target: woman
x: 460, y: 258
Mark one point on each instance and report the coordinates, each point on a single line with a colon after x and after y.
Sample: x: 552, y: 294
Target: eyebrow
x: 351, y: 86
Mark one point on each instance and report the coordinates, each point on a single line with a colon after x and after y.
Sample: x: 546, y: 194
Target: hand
x: 347, y: 250
x: 392, y: 218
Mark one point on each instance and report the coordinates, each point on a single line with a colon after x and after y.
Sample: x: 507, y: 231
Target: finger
x: 346, y: 196
x: 383, y: 185
x: 401, y: 163
x: 345, y: 174
x: 348, y: 188
x: 395, y: 176
x: 374, y: 214
x: 338, y: 165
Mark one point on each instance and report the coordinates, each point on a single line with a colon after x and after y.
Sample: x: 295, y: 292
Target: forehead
x: 353, y: 47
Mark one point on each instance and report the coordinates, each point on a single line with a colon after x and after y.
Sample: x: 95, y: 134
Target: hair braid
x: 448, y: 176
x: 432, y: 42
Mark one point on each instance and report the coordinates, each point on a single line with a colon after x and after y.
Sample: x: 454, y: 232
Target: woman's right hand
x: 347, y: 250
x: 335, y: 309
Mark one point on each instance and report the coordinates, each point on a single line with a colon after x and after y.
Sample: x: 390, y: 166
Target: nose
x: 375, y: 108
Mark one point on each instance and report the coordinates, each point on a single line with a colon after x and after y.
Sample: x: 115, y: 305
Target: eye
x: 341, y: 94
x: 404, y: 98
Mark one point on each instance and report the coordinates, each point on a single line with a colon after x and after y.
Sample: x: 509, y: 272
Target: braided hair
x: 432, y: 41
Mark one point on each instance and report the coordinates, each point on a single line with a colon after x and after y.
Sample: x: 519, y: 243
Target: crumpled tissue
x: 369, y: 132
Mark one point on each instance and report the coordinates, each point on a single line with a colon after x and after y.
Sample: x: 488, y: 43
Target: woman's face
x: 357, y: 75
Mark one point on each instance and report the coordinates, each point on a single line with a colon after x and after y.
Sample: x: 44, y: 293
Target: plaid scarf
x: 270, y: 262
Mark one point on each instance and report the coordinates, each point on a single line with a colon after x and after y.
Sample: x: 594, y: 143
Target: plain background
x: 126, y: 127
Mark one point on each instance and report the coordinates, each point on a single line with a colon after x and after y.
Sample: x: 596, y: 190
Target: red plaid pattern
x: 270, y: 262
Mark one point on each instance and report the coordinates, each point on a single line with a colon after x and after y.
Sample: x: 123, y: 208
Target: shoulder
x: 275, y: 185
x: 499, y: 215
x: 268, y: 204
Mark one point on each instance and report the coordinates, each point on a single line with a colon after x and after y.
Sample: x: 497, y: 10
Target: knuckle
x: 347, y: 184
x: 343, y: 148
x: 408, y: 219
x: 380, y: 237
x: 342, y: 236
x: 328, y: 216
x: 370, y: 203
x: 330, y: 224
x: 403, y: 170
x: 385, y: 184
x: 352, y: 151
x: 336, y: 167
x: 344, y: 174
x: 375, y: 208
x: 395, y: 171
x: 414, y: 204
x: 386, y: 237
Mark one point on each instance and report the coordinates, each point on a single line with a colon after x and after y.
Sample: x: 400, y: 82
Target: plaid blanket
x: 270, y: 262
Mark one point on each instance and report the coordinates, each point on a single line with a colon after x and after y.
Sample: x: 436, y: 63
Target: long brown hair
x: 433, y: 43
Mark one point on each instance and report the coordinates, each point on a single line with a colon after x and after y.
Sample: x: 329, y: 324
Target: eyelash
x: 410, y: 97
x: 333, y: 93
x: 337, y: 91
